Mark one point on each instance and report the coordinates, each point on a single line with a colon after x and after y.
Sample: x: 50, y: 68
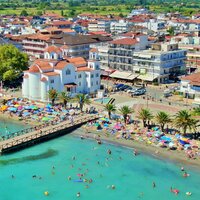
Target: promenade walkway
x: 41, y: 133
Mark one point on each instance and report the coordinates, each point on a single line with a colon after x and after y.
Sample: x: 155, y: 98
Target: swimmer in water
x: 13, y: 176
x: 182, y: 168
x: 73, y: 158
x: 113, y: 187
x: 34, y: 176
x: 109, y: 152
x: 153, y: 184
x: 78, y: 194
x: 69, y: 178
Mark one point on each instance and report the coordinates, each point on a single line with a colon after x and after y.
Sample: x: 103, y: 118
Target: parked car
x: 139, y: 92
x: 123, y: 87
x: 119, y: 86
x: 167, y: 93
x: 128, y: 88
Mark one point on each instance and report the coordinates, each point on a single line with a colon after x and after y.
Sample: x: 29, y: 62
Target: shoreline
x: 15, y: 119
x: 176, y: 157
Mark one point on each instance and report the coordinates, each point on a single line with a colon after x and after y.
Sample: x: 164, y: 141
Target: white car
x: 132, y: 90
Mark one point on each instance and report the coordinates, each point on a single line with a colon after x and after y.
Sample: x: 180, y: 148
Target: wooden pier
x: 35, y: 135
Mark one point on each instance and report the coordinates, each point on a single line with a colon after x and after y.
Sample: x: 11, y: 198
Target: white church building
x: 57, y: 71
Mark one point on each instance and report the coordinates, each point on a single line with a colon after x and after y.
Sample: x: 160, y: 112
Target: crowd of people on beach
x: 153, y: 136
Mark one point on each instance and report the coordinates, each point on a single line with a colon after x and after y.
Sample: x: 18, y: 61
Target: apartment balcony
x: 33, y: 42
x: 33, y: 48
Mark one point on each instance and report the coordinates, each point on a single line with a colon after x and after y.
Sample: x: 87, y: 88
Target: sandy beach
x: 177, y: 157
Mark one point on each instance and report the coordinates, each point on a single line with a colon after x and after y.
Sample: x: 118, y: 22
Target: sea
x: 61, y: 168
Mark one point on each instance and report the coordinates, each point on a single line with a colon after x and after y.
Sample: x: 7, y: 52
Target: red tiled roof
x: 59, y: 23
x: 51, y: 49
x: 43, y: 64
x: 94, y: 50
x: 60, y: 65
x: 51, y: 74
x: 125, y: 41
x: 193, y: 78
x: 34, y: 69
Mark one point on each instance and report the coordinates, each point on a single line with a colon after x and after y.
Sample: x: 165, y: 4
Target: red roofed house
x: 190, y: 87
x: 74, y: 75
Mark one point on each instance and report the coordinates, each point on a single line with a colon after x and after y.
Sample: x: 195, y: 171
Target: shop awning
x: 132, y: 76
x: 118, y: 74
x: 148, y: 77
x: 70, y: 85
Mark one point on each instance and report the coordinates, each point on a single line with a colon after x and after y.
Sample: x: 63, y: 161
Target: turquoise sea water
x: 7, y: 127
x: 132, y: 176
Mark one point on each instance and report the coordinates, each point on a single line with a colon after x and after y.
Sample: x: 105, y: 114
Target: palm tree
x: 53, y: 94
x: 110, y: 108
x: 184, y: 121
x: 64, y: 97
x: 145, y: 115
x: 82, y: 99
x: 196, y: 111
x: 162, y: 118
x: 125, y: 110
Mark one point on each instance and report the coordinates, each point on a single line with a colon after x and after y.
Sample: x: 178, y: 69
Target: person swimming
x: 109, y: 152
x: 182, y: 168
x: 175, y: 191
x: 153, y: 184
x: 78, y: 194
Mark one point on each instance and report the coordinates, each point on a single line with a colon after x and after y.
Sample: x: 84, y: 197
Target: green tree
x: 64, y: 97
x: 39, y: 13
x: 145, y: 115
x: 125, y: 110
x: 183, y: 120
x: 110, y: 108
x: 82, y: 99
x: 24, y: 13
x: 62, y: 13
x: 53, y: 94
x: 171, y: 31
x: 162, y: 118
x: 196, y: 111
x: 13, y: 62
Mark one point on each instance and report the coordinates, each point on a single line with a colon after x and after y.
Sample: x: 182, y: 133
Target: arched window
x: 68, y: 72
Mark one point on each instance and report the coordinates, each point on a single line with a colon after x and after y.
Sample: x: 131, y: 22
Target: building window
x: 92, y: 75
x: 86, y: 75
x: 97, y: 75
x: 97, y: 82
x: 52, y: 81
x: 79, y: 84
x: 91, y: 83
x: 68, y: 72
x: 79, y: 76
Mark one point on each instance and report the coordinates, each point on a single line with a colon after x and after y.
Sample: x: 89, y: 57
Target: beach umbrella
x: 12, y: 109
x: 20, y: 108
x: 45, y: 119
x: 26, y: 114
x: 4, y: 108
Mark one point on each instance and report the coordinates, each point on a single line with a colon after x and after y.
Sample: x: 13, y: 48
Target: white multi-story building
x: 74, y: 75
x: 141, y: 11
x: 99, y: 25
x: 190, y: 87
x: 159, y: 62
x: 154, y: 25
x: 119, y: 27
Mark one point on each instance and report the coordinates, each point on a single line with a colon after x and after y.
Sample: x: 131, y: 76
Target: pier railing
x: 33, y: 133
